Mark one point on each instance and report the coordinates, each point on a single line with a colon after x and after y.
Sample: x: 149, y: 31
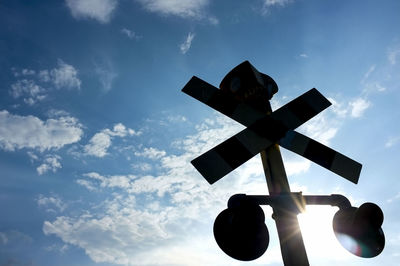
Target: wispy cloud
x: 185, y: 46
x: 358, y: 107
x: 354, y: 108
x: 98, y: 145
x: 101, y: 141
x: 276, y: 2
x: 87, y: 184
x: 52, y: 203
x: 106, y: 74
x: 392, y: 141
x: 56, y: 247
x: 370, y: 82
x: 151, y: 153
x: 185, y: 9
x: 298, y: 166
x: 51, y: 163
x: 3, y: 238
x: 368, y: 73
x: 268, y: 4
x: 34, y: 86
x: 393, y: 199
x: 18, y: 132
x: 65, y: 76
x: 29, y: 90
x: 393, y: 55
x: 14, y: 237
x: 130, y: 34
x: 144, y: 167
x: 174, y: 206
x: 322, y: 128
x: 114, y: 181
x: 176, y: 118
x: 100, y: 10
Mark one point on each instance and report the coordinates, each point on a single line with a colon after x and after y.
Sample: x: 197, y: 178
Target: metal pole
x: 290, y: 238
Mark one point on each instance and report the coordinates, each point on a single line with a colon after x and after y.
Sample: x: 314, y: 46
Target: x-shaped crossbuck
x: 264, y: 130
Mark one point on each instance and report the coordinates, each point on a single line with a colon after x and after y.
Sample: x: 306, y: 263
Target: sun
x: 318, y: 235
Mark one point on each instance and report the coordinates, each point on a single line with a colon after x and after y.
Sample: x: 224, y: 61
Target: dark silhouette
x: 240, y: 230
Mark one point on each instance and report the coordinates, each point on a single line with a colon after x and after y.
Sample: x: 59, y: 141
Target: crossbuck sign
x: 264, y: 130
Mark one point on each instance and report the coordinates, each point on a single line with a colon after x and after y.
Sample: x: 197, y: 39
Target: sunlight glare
x: 318, y: 235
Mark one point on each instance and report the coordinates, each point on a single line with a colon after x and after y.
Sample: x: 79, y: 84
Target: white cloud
x: 24, y: 72
x: 298, y: 166
x: 54, y: 113
x: 185, y: 46
x: 29, y: 90
x: 130, y: 34
x: 101, y: 141
x: 172, y: 217
x: 87, y: 184
x: 114, y: 181
x: 51, y: 163
x: 34, y: 86
x: 276, y: 2
x: 392, y: 141
x: 394, y: 198
x: 354, y: 108
x: 106, y: 74
x: 213, y: 20
x: 338, y: 108
x: 176, y: 118
x: 65, y: 76
x: 100, y: 10
x: 32, y: 156
x: 320, y: 128
x: 379, y: 87
x: 98, y: 145
x: 145, y: 167
x: 119, y: 130
x: 268, y: 4
x: 18, y: 132
x: 368, y: 73
x: 374, y: 85
x: 393, y: 54
x: 49, y: 203
x: 303, y: 55
x: 110, y: 237
x: 60, y: 248
x: 14, y: 237
x: 370, y: 87
x: 358, y: 107
x: 180, y: 8
x: 151, y: 153
x: 3, y: 238
x: 27, y: 72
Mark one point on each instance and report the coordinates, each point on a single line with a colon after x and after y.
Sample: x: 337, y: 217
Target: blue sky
x: 96, y: 137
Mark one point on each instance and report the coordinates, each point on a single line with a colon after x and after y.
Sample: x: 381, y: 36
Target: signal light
x: 240, y: 230
x: 249, y: 85
x: 241, y: 233
x: 359, y: 230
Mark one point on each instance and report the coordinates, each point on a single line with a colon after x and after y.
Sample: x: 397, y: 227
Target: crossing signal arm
x: 264, y: 130
x: 240, y: 230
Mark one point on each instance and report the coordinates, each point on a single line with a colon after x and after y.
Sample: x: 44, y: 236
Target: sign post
x: 240, y: 231
x: 290, y: 238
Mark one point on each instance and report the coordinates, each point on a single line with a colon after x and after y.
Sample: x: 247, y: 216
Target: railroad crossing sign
x: 263, y: 130
x: 244, y: 96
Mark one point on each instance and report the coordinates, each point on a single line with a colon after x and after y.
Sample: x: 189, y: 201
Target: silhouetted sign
x: 263, y: 130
